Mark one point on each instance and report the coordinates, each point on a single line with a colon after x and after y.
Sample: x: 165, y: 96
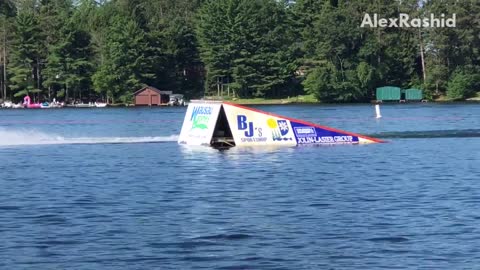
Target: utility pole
x: 218, y: 86
x: 4, y: 62
x: 1, y: 77
x: 422, y: 56
x: 38, y: 78
x: 222, y: 87
x: 228, y: 86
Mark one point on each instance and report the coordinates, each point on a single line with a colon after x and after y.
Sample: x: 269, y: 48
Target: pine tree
x: 173, y: 44
x: 124, y: 65
x: 248, y: 43
x: 24, y: 53
x: 453, y: 52
x: 67, y: 51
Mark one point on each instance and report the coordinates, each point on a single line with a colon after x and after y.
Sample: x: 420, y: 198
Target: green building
x: 393, y: 93
x: 413, y: 94
x: 388, y: 93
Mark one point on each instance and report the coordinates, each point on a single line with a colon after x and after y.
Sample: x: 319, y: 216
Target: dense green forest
x: 87, y: 49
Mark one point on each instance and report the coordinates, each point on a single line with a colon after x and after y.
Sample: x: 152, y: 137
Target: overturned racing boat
x: 223, y: 124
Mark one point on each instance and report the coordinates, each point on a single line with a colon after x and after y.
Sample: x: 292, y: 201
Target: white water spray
x: 33, y: 137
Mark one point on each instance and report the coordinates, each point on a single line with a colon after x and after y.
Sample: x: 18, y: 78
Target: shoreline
x: 291, y: 101
x: 311, y: 100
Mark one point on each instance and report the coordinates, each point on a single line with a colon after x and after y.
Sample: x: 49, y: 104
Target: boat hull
x: 209, y: 123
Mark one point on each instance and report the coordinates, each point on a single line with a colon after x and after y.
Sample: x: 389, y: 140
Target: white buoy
x: 377, y: 111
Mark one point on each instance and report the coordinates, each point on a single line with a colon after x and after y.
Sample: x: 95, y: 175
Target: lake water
x: 111, y: 189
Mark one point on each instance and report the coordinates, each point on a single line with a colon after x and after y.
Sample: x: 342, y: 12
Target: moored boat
x: 84, y: 105
x: 7, y: 104
x: 28, y: 104
x: 100, y: 104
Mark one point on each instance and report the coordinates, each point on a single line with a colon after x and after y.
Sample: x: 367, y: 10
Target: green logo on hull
x: 200, y: 117
x: 200, y: 122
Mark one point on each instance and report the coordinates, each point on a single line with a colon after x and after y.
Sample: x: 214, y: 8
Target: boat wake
x: 459, y: 133
x: 30, y: 137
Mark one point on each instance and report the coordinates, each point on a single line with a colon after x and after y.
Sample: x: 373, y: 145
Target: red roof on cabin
x: 160, y: 92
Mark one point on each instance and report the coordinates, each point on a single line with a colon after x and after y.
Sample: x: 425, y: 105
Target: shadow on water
x: 458, y: 133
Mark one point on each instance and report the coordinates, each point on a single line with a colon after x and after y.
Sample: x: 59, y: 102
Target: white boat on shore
x: 100, y: 104
x: 89, y: 105
x: 52, y: 105
x: 84, y: 105
x: 7, y: 104
x: 11, y: 105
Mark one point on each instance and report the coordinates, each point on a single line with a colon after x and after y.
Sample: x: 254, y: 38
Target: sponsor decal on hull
x: 315, y: 135
x: 250, y: 127
x: 199, y: 123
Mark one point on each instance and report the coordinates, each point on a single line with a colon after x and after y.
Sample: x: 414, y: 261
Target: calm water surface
x: 111, y: 189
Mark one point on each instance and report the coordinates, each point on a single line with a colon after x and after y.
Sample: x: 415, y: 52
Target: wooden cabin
x: 151, y: 96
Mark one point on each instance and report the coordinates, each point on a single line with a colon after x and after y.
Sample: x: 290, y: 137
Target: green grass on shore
x: 444, y: 98
x: 475, y: 98
x: 261, y: 101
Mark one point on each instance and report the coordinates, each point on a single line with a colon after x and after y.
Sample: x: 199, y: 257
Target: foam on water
x: 34, y: 137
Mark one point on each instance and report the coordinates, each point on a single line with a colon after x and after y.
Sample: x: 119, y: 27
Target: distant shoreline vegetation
x: 309, y: 99
x: 87, y: 50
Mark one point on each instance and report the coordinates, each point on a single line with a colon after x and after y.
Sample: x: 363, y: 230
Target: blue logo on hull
x: 315, y: 135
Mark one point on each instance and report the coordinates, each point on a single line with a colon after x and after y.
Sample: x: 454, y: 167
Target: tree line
x: 87, y: 49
